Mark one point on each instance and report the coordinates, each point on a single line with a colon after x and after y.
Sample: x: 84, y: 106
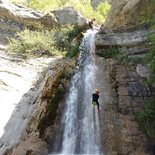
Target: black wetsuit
x: 95, y: 98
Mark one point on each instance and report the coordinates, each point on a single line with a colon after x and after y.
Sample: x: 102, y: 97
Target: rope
x: 94, y: 66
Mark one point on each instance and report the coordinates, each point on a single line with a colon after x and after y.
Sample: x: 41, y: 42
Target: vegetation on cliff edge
x: 56, y: 42
x: 83, y: 6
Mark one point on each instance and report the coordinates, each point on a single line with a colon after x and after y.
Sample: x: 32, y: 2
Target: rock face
x: 69, y: 15
x: 123, y: 97
x: 128, y: 13
x: 127, y: 38
x: 30, y: 17
x: 123, y: 30
x: 46, y: 104
x: 131, y: 42
x: 19, y: 86
x: 19, y: 14
x: 18, y: 17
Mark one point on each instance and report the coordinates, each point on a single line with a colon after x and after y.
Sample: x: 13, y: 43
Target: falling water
x: 81, y: 131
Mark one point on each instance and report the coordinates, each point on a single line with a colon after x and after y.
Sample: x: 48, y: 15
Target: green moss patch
x: 57, y: 96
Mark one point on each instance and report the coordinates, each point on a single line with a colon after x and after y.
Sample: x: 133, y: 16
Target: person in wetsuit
x: 95, y: 97
x: 90, y: 23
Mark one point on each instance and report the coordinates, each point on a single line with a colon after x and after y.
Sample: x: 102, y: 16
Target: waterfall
x: 80, y: 123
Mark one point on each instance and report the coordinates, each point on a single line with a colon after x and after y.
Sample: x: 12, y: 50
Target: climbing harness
x: 94, y: 103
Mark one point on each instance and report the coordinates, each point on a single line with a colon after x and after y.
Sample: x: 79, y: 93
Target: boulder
x: 69, y: 15
x: 49, y: 20
x: 20, y: 14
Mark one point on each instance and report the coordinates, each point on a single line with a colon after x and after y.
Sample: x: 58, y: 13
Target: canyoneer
x: 95, y: 97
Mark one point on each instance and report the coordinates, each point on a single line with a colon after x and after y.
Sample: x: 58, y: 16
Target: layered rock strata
x: 126, y: 94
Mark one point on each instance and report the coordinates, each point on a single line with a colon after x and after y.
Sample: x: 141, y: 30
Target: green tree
x: 103, y: 8
x: 146, y: 117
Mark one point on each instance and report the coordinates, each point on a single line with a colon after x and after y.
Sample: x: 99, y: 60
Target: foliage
x: 46, y: 4
x: 83, y: 6
x: 103, y: 9
x: 115, y: 53
x: 87, y: 11
x: 74, y: 51
x: 146, y: 15
x: 56, y: 97
x: 135, y: 60
x: 30, y: 43
x: 110, y: 53
x: 146, y: 117
x: 153, y: 1
x: 64, y: 40
x: 65, y: 36
x: 150, y: 59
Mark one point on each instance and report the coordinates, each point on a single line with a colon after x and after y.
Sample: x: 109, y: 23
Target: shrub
x: 103, y: 9
x: 135, y: 60
x: 29, y: 43
x: 53, y: 43
x: 110, y: 53
x: 68, y: 40
x: 146, y: 117
x: 150, y: 59
x: 74, y: 51
x: 153, y: 1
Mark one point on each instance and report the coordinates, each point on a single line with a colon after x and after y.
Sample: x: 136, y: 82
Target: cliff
x: 127, y: 14
x: 47, y: 106
x: 126, y: 32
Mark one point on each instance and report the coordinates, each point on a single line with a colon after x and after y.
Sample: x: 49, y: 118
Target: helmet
x: 97, y: 90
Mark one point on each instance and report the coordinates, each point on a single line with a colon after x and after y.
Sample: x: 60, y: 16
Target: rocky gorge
x: 126, y: 81
x: 121, y: 84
